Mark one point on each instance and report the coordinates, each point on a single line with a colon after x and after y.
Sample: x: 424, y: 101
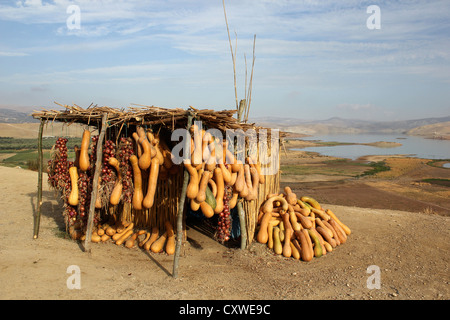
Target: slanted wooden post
x: 181, y: 205
x: 241, y: 214
x: 98, y: 165
x: 37, y: 216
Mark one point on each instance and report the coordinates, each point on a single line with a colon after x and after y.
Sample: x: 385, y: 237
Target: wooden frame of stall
x: 104, y: 118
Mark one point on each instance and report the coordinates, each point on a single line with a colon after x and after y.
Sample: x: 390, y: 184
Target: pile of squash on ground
x: 299, y: 227
x: 124, y: 233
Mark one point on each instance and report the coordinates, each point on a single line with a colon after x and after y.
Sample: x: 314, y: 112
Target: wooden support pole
x: 37, y: 217
x: 243, y: 226
x: 181, y: 204
x: 98, y: 165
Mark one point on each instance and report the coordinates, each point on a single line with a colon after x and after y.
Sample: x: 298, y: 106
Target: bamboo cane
x: 181, y: 208
x: 37, y: 217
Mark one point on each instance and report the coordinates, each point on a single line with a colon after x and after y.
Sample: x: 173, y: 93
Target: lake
x: 411, y: 146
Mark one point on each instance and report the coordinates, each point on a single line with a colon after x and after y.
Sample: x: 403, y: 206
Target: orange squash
x: 73, y: 196
x: 205, y: 177
x: 153, y: 237
x: 291, y: 197
x: 158, y: 245
x: 170, y: 244
x: 84, y: 156
x: 138, y: 194
x: 116, y: 193
x: 145, y: 158
x: 152, y: 184
x: 218, y: 178
x: 192, y: 188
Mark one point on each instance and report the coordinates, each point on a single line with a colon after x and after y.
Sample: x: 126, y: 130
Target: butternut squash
x: 153, y: 237
x: 205, y: 177
x: 304, y: 221
x: 131, y: 241
x: 123, y: 230
x: 321, y: 214
x: 192, y: 188
x: 170, y: 245
x: 311, y: 201
x: 110, y: 231
x: 262, y: 235
x: 234, y: 199
x: 295, y: 251
x: 320, y: 223
x: 73, y: 196
x: 138, y: 194
x: 328, y: 246
x: 291, y: 197
x: 321, y: 240
x: 248, y: 181
x: 138, y: 147
x: 152, y: 184
x: 116, y: 193
x: 326, y: 235
x: 198, y: 152
x: 277, y: 246
x: 194, y: 205
x: 158, y: 245
x: 293, y: 219
x: 124, y: 237
x: 207, y: 210
x: 305, y: 242
x: 159, y: 152
x: 240, y: 179
x: 335, y: 235
x: 268, y: 204
x: 288, y: 232
x: 257, y: 165
x: 84, y: 149
x: 218, y: 178
x: 255, y: 182
x: 317, y: 246
x: 153, y: 142
x: 147, y: 236
x: 226, y: 174
x: 297, y: 247
x: 339, y: 231
x: 145, y: 158
x: 270, y: 227
x: 211, y: 160
x: 343, y: 226
x: 95, y: 237
x: 306, y: 210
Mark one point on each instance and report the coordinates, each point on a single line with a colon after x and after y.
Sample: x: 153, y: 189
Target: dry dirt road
x: 409, y: 252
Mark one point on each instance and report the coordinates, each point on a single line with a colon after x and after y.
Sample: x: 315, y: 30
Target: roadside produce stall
x: 138, y: 172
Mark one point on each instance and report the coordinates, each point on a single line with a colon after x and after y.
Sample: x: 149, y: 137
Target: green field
x: 23, y: 152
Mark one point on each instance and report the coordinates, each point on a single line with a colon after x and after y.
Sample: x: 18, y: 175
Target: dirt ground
x: 409, y: 249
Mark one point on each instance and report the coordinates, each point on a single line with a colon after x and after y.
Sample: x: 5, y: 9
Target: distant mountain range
x: 425, y: 127
x: 15, y: 116
x: 338, y: 125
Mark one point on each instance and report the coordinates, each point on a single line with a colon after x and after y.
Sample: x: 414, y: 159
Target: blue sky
x: 314, y: 59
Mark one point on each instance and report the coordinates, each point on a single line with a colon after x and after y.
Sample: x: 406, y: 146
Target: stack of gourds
x: 217, y: 179
x: 125, y: 233
x: 299, y: 227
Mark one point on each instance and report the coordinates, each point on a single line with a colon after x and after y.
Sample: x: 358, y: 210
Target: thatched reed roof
x: 144, y: 115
